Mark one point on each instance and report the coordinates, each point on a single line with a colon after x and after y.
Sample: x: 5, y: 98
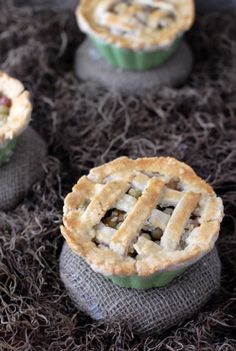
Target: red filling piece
x: 5, y: 101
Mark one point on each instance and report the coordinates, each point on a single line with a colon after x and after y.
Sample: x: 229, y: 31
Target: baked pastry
x: 15, y: 112
x: 135, y: 34
x: 141, y: 222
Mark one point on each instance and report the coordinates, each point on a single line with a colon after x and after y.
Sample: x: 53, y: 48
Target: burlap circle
x: 90, y: 66
x: 148, y: 311
x: 23, y: 170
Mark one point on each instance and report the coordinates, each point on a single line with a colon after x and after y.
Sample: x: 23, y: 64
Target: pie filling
x: 5, y: 105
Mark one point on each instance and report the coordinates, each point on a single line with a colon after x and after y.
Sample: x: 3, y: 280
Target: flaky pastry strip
x: 178, y: 220
x: 136, y: 219
x: 103, y: 201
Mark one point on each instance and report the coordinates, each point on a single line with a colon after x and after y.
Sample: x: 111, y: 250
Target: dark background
x: 201, y: 5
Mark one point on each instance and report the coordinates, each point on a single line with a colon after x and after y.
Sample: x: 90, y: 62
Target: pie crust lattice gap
x: 152, y: 218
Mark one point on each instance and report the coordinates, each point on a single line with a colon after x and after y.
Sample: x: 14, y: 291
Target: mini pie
x: 141, y: 222
x: 15, y: 112
x: 148, y: 29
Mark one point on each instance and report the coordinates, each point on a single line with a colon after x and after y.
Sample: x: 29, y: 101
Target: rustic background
x: 85, y: 125
x: 201, y: 5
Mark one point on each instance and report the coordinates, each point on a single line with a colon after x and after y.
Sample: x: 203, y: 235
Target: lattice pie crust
x: 141, y: 216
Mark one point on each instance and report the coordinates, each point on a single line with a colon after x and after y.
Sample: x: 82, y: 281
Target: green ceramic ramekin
x: 134, y: 60
x: 156, y: 280
x: 6, y: 151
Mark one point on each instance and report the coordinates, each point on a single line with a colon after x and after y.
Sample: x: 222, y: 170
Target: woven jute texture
x: 153, y: 310
x: 90, y: 66
x: 23, y: 169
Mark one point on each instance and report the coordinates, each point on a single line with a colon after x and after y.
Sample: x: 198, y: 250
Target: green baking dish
x: 156, y: 280
x: 134, y: 60
x: 6, y: 151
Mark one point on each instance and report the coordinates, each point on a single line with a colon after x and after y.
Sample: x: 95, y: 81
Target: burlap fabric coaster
x: 23, y: 169
x: 148, y: 311
x: 90, y: 66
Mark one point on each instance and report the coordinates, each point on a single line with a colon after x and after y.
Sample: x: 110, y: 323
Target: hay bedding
x: 85, y: 125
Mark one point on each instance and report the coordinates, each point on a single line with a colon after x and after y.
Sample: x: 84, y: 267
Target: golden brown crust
x: 181, y: 214
x: 140, y: 25
x: 20, y: 111
x: 137, y: 217
x: 107, y: 250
